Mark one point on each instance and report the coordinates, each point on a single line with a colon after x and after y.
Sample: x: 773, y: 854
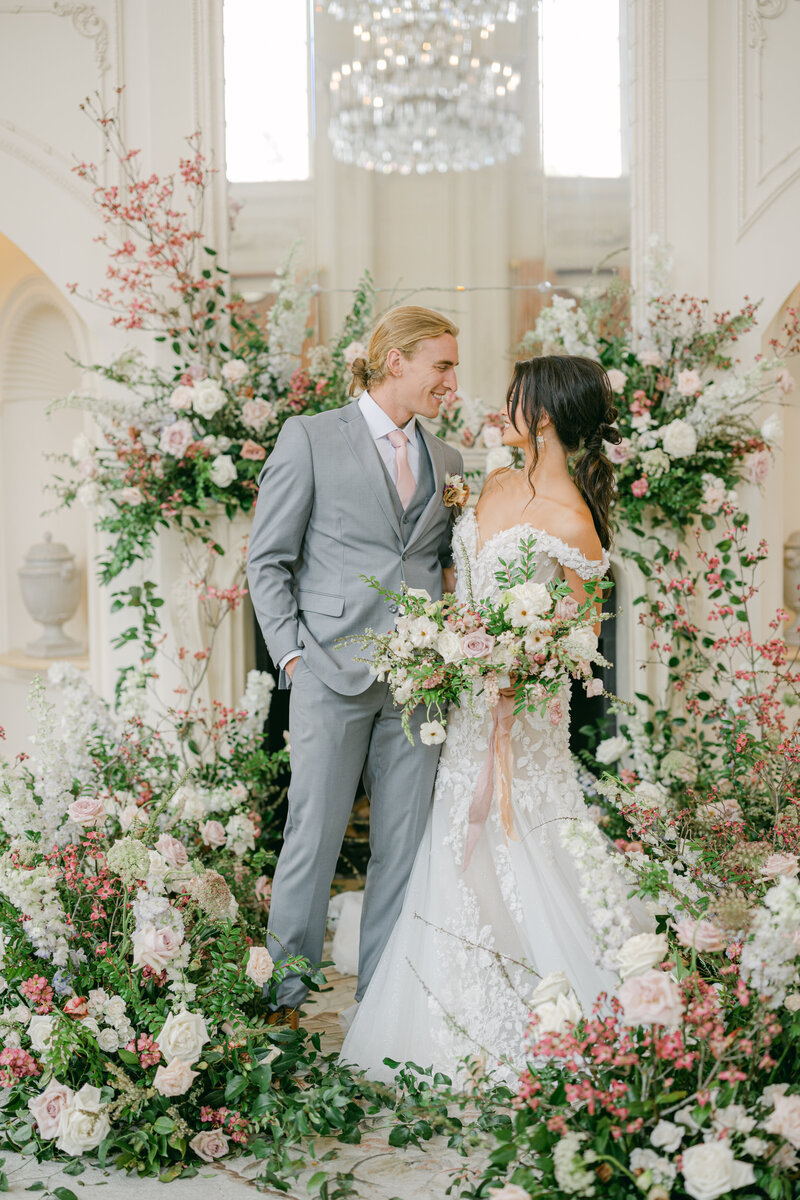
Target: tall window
x: 266, y: 90
x: 581, y: 94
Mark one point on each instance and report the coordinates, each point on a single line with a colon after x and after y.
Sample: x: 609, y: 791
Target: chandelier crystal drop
x: 421, y: 107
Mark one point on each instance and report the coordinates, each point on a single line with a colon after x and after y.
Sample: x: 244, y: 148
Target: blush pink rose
x: 619, y: 453
x: 785, y: 1119
x: 213, y: 833
x: 263, y: 892
x: 477, y: 644
x: 210, y: 1144
x: 176, y: 439
x: 703, y: 935
x: 639, y: 487
x: 175, y: 1079
x: 87, y: 811
x: 172, y: 849
x: 259, y: 965
x: 756, y: 466
x: 251, y: 450
x: 47, y: 1107
x: 566, y: 608
x: 780, y: 864
x: 688, y: 383
x: 155, y: 948
x: 257, y: 413
x: 76, y: 1006
x: 651, y: 999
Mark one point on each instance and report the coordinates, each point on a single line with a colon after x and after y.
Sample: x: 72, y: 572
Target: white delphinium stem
x: 605, y: 884
x: 769, y: 955
x: 34, y: 893
x: 255, y: 702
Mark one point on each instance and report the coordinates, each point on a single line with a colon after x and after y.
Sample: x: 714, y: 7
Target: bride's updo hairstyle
x: 577, y: 397
x: 402, y: 329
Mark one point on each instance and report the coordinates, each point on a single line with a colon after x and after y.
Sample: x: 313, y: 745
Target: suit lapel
x: 356, y: 434
x: 431, y: 509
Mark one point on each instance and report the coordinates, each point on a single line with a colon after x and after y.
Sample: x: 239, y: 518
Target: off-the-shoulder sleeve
x: 572, y: 558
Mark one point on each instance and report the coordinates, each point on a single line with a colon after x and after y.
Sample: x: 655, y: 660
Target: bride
x: 473, y: 940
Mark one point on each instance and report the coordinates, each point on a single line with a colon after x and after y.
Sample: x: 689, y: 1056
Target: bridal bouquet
x: 528, y: 641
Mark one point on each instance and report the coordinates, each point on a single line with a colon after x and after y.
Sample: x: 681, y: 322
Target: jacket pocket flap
x: 320, y: 602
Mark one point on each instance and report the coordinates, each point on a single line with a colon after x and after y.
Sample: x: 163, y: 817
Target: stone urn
x: 51, y: 588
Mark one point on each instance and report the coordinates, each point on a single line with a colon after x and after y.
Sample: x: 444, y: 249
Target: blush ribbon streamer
x: 494, y: 779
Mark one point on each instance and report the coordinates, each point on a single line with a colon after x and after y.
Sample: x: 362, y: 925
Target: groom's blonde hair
x: 402, y: 329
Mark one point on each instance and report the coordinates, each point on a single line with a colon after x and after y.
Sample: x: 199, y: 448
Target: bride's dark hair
x: 576, y: 395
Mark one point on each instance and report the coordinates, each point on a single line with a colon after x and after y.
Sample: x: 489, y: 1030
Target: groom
x: 351, y: 492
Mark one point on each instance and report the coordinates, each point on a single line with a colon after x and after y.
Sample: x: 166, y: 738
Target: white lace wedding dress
x: 440, y: 993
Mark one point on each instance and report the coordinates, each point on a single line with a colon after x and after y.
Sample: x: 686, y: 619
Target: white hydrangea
x: 563, y: 326
x: 571, y: 1167
x: 241, y: 834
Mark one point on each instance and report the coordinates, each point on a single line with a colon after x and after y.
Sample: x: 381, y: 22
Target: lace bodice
x: 478, y: 564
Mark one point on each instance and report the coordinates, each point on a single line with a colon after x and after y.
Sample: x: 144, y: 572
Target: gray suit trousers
x: 334, y: 740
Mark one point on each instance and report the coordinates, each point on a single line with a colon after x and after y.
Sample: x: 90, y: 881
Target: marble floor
x: 381, y: 1172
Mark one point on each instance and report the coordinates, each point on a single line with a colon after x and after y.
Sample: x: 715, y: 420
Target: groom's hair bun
x: 401, y: 328
x: 360, y: 369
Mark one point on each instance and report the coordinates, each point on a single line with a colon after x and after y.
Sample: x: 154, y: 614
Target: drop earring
x: 540, y: 439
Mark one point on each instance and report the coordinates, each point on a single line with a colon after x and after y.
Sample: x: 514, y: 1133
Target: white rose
x: 688, y: 383
x: 641, y: 952
x: 22, y: 1014
x: 580, y: 643
x: 131, y: 496
x: 710, y: 1170
x: 181, y: 399
x: 84, y: 1122
x: 550, y: 988
x: 223, y: 470
x: 176, y: 438
x: 679, y: 439
x: 183, y: 1036
x: 448, y: 644
x: 555, y: 1014
x: 40, y: 1030
x: 617, y: 379
x: 431, y: 733
x: 491, y: 436
x: 207, y: 398
x: 652, y: 998
x: 792, y: 1001
x: 527, y: 601
x: 107, y: 1040
x: 651, y: 358
x: 498, y: 456
x: 234, y: 371
x: 667, y: 1136
x: 611, y: 749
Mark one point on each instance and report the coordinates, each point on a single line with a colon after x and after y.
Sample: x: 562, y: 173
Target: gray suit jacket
x: 324, y: 517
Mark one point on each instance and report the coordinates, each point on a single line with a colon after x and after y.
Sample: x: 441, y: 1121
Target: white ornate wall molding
x: 647, y: 109
x: 22, y: 142
x: 767, y: 134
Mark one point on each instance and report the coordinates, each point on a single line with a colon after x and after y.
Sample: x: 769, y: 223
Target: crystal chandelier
x: 423, y: 106
x: 453, y: 14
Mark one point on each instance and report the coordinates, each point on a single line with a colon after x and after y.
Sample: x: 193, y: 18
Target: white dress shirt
x: 380, y: 425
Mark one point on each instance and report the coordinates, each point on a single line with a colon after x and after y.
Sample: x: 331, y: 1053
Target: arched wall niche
x: 39, y: 335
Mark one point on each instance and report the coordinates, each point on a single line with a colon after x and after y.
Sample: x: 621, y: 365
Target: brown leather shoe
x: 285, y: 1016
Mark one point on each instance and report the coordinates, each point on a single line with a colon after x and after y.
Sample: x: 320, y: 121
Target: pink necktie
x: 403, y: 475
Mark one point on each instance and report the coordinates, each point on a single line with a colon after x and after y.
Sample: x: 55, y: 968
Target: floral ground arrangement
x: 133, y: 917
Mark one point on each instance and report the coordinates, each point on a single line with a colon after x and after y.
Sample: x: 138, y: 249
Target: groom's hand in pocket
x: 290, y: 666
